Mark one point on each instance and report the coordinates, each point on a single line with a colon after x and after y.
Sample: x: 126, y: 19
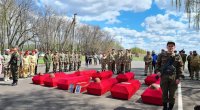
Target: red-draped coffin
x: 39, y: 79
x: 150, y: 79
x: 102, y: 87
x: 103, y: 75
x: 65, y: 82
x: 52, y: 82
x: 125, y: 90
x: 125, y: 77
x: 152, y: 96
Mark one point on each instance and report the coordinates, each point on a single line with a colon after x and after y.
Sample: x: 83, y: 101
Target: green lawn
x: 40, y: 60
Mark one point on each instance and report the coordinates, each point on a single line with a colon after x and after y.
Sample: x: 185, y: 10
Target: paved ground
x: 27, y: 96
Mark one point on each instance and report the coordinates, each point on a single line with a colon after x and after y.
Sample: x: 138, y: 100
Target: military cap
x: 171, y: 42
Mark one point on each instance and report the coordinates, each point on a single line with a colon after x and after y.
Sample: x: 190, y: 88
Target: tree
x: 192, y: 8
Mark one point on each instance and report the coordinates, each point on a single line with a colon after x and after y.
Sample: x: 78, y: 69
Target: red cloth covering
x: 83, y: 85
x: 103, y: 75
x: 125, y: 77
x: 89, y: 73
x: 65, y: 82
x: 125, y: 90
x: 52, y: 82
x: 102, y: 87
x: 39, y: 79
x: 152, y: 96
x: 150, y: 79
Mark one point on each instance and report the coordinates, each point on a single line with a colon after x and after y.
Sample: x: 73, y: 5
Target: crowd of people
x: 193, y: 60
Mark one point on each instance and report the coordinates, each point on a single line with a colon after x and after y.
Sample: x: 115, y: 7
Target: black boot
x: 170, y: 106
x: 165, y: 106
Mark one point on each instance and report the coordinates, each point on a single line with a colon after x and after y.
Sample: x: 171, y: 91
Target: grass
x: 137, y: 58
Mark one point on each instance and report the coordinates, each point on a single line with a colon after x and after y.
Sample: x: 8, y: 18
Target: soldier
x: 75, y: 61
x: 148, y: 63
x: 128, y: 59
x: 184, y: 57
x: 122, y: 61
x: 37, y: 57
x: 103, y: 62
x: 66, y: 63
x: 25, y: 65
x: 61, y: 61
x: 169, y: 68
x: 47, y: 60
x: 6, y: 68
x: 55, y: 59
x: 33, y: 61
x: 189, y: 62
x: 194, y: 65
x: 109, y: 60
x: 117, y: 56
x: 71, y: 61
x: 14, y: 65
x: 79, y: 59
x: 113, y: 54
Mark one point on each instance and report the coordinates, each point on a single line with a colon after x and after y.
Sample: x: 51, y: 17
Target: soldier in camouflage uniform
x: 55, y: 59
x: 66, y: 63
x: 117, y: 61
x: 195, y: 65
x: 6, y: 68
x: 122, y: 61
x: 71, y: 61
x: 148, y: 63
x: 113, y: 55
x: 128, y: 59
x: 189, y: 62
x: 109, y: 60
x: 79, y: 59
x: 75, y: 61
x: 47, y: 60
x: 103, y: 62
x: 61, y: 61
x: 169, y: 68
x: 14, y: 65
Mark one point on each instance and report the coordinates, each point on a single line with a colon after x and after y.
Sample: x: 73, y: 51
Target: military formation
x: 17, y: 64
x: 63, y: 61
x: 118, y: 62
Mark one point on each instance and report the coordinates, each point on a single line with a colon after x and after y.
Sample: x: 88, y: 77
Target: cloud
x: 97, y: 10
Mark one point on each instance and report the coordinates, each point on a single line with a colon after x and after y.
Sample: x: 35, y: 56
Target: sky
x: 147, y: 24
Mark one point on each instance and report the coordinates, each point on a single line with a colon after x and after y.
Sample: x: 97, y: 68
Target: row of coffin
x: 124, y: 86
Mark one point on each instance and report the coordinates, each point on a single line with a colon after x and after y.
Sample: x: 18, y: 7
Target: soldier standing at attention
x: 109, y: 60
x: 122, y: 61
x: 148, y: 63
x: 128, y: 59
x: 66, y: 63
x: 189, y: 62
x: 194, y: 64
x: 47, y: 60
x: 33, y: 61
x: 117, y: 61
x: 113, y: 54
x: 169, y: 68
x: 61, y: 61
x: 25, y: 65
x: 6, y: 68
x: 103, y: 62
x: 184, y: 57
x: 79, y: 59
x: 71, y: 61
x: 75, y: 61
x: 14, y: 65
x: 55, y: 59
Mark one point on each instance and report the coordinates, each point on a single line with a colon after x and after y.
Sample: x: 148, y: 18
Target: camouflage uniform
x: 33, y: 62
x: 111, y: 61
x: 6, y: 68
x: 122, y: 62
x: 117, y: 61
x: 14, y: 66
x: 25, y: 66
x: 61, y: 61
x: 71, y: 61
x: 79, y: 60
x: 184, y: 57
x: 148, y: 64
x: 128, y: 59
x: 47, y: 60
x: 168, y: 78
x: 55, y: 59
x: 66, y: 63
x: 189, y: 63
x: 103, y: 63
x: 195, y: 66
